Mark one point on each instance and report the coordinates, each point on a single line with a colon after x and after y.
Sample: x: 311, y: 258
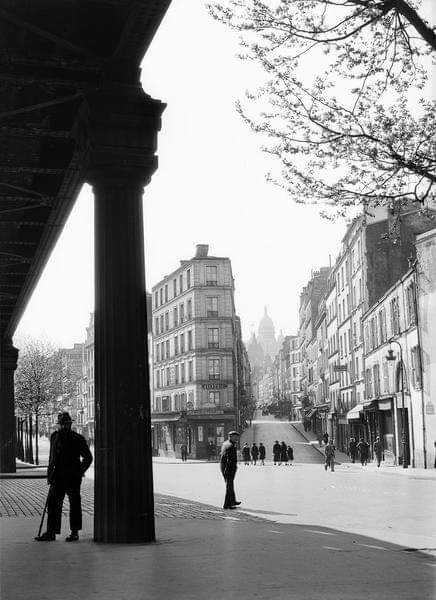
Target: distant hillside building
x: 266, y: 336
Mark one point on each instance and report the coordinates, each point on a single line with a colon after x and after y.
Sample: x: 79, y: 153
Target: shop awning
x: 323, y: 407
x: 354, y: 413
x: 370, y: 405
x: 165, y: 419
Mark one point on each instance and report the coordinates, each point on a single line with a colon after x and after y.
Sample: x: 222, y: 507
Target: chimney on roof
x: 202, y: 250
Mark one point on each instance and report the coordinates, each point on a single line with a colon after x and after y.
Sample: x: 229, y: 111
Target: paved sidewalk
x: 203, y: 552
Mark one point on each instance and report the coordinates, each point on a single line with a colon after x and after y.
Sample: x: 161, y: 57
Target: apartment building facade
x: 198, y: 385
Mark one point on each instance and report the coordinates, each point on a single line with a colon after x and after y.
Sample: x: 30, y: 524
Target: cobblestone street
x: 26, y: 498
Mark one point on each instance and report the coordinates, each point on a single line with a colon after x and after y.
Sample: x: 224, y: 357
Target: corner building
x: 197, y: 379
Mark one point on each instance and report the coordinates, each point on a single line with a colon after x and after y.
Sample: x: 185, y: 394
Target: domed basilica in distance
x: 263, y: 348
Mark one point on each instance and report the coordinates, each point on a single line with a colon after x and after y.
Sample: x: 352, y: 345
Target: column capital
x: 8, y: 355
x: 119, y: 125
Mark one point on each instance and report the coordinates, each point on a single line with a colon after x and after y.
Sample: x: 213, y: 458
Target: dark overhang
x: 55, y: 55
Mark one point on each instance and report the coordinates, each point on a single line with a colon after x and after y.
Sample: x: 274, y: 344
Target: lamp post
x: 391, y: 357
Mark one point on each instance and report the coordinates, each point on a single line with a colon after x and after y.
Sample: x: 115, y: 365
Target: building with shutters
x: 200, y: 374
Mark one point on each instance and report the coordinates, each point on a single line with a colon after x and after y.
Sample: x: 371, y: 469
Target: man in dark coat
x: 276, y: 452
x: 363, y: 449
x: 352, y: 448
x: 69, y: 459
x: 254, y: 453
x: 378, y: 450
x: 228, y: 465
x: 262, y: 452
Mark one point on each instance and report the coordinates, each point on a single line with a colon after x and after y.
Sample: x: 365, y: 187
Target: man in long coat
x: 69, y: 459
x: 228, y: 464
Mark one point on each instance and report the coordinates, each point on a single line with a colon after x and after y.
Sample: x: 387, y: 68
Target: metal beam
x: 48, y: 35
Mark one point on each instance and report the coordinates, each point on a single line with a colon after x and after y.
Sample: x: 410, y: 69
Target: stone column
x: 123, y: 132
x: 8, y: 364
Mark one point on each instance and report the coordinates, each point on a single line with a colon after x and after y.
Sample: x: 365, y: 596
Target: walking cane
x: 43, y: 515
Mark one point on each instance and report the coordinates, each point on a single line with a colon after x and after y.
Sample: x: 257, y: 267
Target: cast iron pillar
x: 8, y: 364
x: 123, y: 125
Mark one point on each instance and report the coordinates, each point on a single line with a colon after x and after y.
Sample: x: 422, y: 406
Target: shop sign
x: 214, y: 386
x: 429, y: 408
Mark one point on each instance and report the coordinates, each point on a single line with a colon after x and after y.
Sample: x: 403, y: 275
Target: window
x: 167, y: 321
x: 176, y: 402
x: 376, y: 379
x: 182, y: 373
x: 175, y: 317
x: 395, y: 316
x: 200, y: 433
x: 161, y: 295
x: 156, y: 299
x: 189, y: 309
x: 211, y: 275
x: 167, y: 347
x: 162, y: 351
x: 368, y: 381
x: 182, y: 343
x: 167, y: 376
x: 190, y: 371
x: 156, y: 325
x: 176, y: 374
x: 357, y: 368
x: 211, y: 306
x: 214, y: 368
x: 166, y: 293
x: 415, y: 364
x: 176, y: 345
x: 157, y: 379
x: 158, y: 404
x: 188, y: 278
x: 183, y: 401
x: 174, y: 287
x: 157, y: 352
x: 385, y: 367
x: 180, y: 283
x: 189, y: 340
x: 214, y: 398
x: 161, y: 323
x: 410, y: 305
x: 182, y: 313
x: 382, y: 325
x: 213, y: 337
x: 166, y: 404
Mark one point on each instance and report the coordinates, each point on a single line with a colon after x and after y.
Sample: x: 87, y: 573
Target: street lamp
x: 391, y: 357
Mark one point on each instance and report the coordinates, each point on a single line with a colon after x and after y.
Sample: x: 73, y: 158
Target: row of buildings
x: 200, y: 375
x: 364, y: 360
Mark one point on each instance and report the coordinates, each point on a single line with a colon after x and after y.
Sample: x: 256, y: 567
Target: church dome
x: 266, y: 326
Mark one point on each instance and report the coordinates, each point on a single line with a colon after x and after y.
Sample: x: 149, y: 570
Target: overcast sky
x: 210, y: 188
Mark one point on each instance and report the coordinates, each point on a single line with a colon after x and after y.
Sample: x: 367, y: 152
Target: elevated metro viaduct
x: 72, y: 110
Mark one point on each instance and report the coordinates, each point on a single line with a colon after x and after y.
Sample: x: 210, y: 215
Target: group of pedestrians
x: 361, y: 449
x: 281, y: 453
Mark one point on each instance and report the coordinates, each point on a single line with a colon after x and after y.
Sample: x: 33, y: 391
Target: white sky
x: 209, y: 188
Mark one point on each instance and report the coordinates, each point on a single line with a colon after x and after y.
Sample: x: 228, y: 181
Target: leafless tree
x: 41, y: 377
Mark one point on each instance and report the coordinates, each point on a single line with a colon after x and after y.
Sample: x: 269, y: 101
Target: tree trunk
x: 36, y: 438
x: 20, y: 447
x: 31, y: 440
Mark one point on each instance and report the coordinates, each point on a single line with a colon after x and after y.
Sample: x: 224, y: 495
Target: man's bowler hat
x: 64, y: 417
x: 233, y: 433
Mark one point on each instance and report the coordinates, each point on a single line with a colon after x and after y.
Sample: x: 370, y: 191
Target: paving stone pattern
x: 26, y: 498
